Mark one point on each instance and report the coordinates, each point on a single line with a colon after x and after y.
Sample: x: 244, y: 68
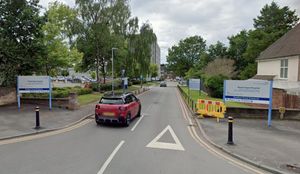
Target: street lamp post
x: 112, y: 69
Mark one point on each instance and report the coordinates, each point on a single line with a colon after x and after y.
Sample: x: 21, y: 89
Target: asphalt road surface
x: 162, y: 140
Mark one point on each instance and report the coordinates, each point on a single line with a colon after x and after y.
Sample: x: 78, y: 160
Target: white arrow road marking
x: 162, y: 145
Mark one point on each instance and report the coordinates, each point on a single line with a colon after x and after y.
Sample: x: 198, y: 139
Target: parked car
x: 117, y: 108
x: 163, y: 84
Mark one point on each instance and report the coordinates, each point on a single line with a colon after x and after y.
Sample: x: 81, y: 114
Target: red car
x: 117, y: 108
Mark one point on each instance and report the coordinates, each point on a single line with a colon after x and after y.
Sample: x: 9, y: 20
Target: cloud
x: 173, y: 20
x: 214, y: 20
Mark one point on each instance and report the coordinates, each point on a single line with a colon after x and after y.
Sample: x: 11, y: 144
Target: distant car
x: 117, y: 108
x: 163, y: 84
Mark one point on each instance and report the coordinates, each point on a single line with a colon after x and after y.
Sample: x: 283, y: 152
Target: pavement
x: 14, y: 122
x: 276, y: 147
x: 162, y: 140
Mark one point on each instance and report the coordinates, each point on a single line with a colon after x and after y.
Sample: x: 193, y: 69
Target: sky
x: 214, y: 20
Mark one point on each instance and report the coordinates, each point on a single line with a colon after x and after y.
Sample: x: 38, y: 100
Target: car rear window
x: 111, y: 101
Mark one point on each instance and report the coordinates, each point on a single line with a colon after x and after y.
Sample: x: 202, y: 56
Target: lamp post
x: 123, y: 80
x: 112, y: 69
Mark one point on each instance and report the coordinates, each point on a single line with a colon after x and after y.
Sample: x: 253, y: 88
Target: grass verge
x: 89, y: 98
x: 195, y: 95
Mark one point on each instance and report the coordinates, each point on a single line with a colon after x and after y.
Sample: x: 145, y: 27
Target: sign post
x: 34, y: 84
x: 249, y: 91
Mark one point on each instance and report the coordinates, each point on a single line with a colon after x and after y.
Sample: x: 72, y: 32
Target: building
x: 280, y: 62
x: 155, y: 56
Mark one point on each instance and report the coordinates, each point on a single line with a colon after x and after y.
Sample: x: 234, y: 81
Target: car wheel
x: 127, y: 121
x: 98, y: 123
x: 139, y: 113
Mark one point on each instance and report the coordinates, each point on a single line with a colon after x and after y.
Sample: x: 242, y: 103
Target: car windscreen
x: 111, y: 101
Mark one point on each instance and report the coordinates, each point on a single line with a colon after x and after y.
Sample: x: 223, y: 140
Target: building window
x: 284, y: 68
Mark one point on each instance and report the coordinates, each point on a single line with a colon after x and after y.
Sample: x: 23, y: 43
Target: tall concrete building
x: 155, y: 56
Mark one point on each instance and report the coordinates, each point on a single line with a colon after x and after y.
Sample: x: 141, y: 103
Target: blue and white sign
x: 34, y: 84
x: 194, y: 84
x: 249, y: 91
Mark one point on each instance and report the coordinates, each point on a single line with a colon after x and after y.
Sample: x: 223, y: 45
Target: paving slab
x: 14, y: 122
x: 277, y: 146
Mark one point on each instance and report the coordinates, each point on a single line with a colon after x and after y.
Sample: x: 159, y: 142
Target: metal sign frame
x: 255, y: 99
x: 34, y: 90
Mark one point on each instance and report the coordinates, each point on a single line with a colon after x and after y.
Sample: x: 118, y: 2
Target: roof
x: 263, y: 77
x: 287, y: 45
x: 116, y: 94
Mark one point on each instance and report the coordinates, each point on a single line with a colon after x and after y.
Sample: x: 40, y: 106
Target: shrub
x: 106, y: 86
x: 215, y: 85
x: 83, y: 91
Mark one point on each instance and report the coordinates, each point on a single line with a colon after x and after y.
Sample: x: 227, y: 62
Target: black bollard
x: 37, y: 117
x: 230, y: 131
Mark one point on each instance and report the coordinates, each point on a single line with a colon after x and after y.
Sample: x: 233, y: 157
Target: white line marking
x: 101, y: 171
x: 137, y: 123
x: 161, y: 145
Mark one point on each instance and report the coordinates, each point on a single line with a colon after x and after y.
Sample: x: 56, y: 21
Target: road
x: 163, y: 140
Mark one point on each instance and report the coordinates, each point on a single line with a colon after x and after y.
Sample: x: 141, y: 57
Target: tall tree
x: 185, y: 55
x: 106, y: 24
x: 218, y: 50
x: 58, y: 28
x: 272, y: 23
x: 21, y: 45
x: 237, y: 47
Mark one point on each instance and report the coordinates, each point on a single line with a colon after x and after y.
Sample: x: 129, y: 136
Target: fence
x: 188, y: 100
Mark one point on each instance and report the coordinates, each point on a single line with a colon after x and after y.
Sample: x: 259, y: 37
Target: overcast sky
x: 173, y: 20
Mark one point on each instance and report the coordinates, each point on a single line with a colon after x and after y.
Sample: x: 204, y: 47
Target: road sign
x: 194, y: 84
x: 34, y: 84
x: 249, y: 91
x: 162, y: 145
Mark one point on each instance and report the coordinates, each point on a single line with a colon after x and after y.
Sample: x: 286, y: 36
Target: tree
x: 105, y: 25
x: 237, y: 47
x: 142, y: 50
x: 21, y: 46
x: 185, y: 55
x: 220, y: 66
x: 153, y: 70
x: 57, y: 29
x: 274, y: 19
x: 272, y: 23
x: 217, y: 50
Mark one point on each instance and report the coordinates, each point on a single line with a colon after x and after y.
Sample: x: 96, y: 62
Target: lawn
x: 89, y: 98
x: 151, y: 84
x: 195, y: 96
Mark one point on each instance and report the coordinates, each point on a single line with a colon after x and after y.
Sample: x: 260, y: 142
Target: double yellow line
x: 207, y: 146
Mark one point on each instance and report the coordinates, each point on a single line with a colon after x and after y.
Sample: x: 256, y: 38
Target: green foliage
x: 107, y: 86
x: 237, y: 47
x: 215, y: 84
x: 153, y: 70
x: 274, y: 19
x: 272, y: 23
x: 21, y: 48
x: 59, y: 27
x: 218, y: 50
x: 185, y: 55
x: 248, y: 72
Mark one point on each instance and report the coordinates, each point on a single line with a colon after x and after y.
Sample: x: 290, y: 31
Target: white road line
x: 132, y: 129
x: 101, y: 171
